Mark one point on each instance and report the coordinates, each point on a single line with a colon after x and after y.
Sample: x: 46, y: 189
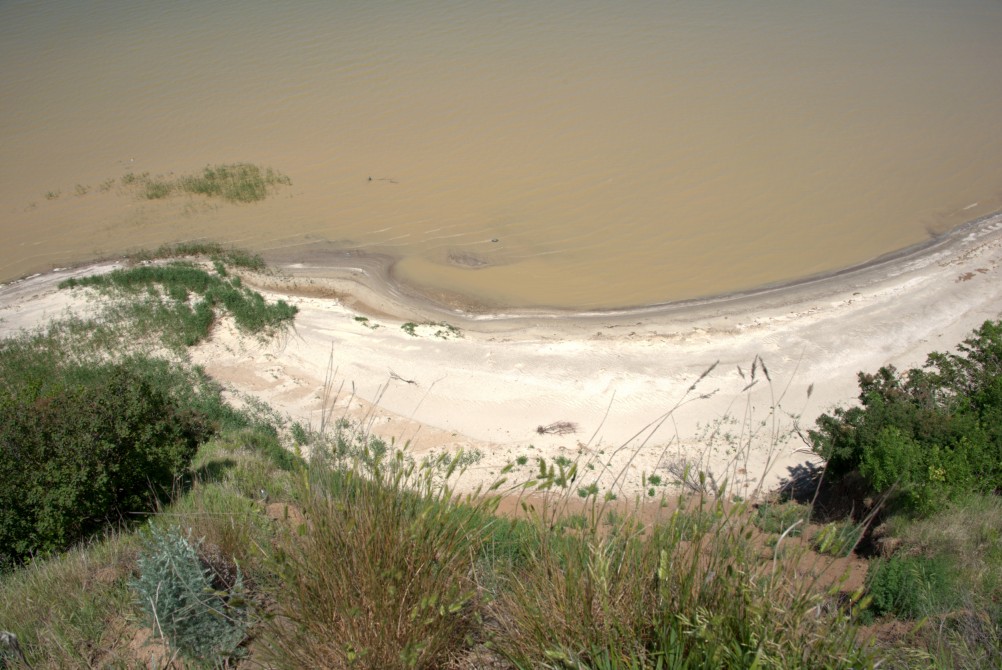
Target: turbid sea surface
x: 565, y: 154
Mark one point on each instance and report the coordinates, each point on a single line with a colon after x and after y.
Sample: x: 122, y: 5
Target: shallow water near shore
x: 572, y: 155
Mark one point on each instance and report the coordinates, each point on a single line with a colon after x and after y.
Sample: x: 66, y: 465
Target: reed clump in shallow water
x: 233, y: 182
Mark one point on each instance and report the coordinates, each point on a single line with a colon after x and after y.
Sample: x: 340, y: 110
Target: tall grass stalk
x: 381, y: 572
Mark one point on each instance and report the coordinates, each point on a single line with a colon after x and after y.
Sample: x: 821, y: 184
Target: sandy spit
x: 631, y: 386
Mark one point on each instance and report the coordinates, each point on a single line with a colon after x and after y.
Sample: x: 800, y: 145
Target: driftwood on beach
x: 557, y: 428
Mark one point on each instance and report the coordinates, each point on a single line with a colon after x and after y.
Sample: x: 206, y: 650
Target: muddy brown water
x: 565, y: 154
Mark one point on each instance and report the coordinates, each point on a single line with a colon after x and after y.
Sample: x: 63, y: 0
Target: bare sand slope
x: 623, y: 380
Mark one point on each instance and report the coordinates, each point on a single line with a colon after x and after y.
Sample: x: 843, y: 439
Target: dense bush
x: 83, y: 445
x: 927, y: 435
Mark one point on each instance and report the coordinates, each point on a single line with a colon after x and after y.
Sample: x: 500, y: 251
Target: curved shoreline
x: 645, y: 388
x: 369, y: 280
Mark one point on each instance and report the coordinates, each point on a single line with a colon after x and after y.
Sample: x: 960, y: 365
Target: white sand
x: 618, y: 377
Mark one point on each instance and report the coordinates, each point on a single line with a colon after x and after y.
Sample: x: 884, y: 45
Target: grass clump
x: 911, y: 587
x: 838, y: 538
x: 233, y: 182
x: 70, y: 611
x: 691, y: 591
x: 779, y: 518
x: 382, y: 575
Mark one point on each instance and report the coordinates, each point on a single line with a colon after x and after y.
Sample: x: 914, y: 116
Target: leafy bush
x: 910, y: 587
x: 177, y: 596
x: 927, y: 435
x: 84, y: 445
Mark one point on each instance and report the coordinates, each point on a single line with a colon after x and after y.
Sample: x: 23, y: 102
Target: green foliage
x: 911, y: 587
x: 266, y: 443
x: 928, y: 435
x: 238, y: 182
x: 300, y: 434
x: 84, y: 445
x: 463, y: 459
x: 177, y: 596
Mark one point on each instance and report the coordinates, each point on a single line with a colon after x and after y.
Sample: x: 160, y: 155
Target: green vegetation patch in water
x: 233, y: 182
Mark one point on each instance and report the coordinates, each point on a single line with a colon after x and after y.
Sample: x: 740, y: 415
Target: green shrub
x: 910, y: 587
x: 300, y: 435
x: 84, y: 446
x: 180, y: 603
x: 925, y: 436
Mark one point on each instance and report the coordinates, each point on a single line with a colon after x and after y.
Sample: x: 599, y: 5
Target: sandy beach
x: 625, y: 391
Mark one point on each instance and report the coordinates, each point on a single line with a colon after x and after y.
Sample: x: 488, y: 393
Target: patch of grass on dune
x: 178, y: 301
